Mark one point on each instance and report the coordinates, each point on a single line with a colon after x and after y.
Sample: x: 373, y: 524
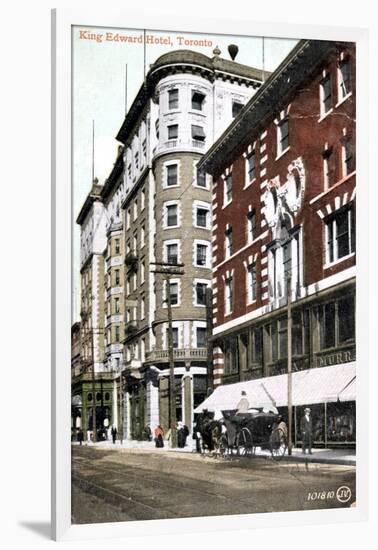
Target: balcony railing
x: 184, y: 354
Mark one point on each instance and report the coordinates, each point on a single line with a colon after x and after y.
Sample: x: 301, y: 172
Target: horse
x: 209, y: 431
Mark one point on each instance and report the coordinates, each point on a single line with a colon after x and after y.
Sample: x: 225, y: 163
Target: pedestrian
x: 180, y: 435
x: 114, y: 433
x: 306, y: 431
x: 159, y: 437
x: 147, y: 433
x: 80, y: 436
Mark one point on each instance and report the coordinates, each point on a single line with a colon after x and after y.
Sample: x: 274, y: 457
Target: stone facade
x: 185, y: 103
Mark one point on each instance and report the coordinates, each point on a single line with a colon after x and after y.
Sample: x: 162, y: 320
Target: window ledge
x: 334, y: 186
x: 281, y: 154
x: 204, y: 187
x: 226, y: 204
x: 324, y: 115
x: 248, y: 184
x: 171, y: 227
x: 253, y: 302
x: 166, y: 186
x: 341, y: 101
x: 336, y: 262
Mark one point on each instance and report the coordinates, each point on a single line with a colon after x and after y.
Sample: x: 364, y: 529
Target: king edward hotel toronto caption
x: 216, y: 338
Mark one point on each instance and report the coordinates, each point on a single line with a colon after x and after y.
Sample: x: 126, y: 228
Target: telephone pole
x: 289, y: 366
x: 169, y: 269
x: 209, y: 343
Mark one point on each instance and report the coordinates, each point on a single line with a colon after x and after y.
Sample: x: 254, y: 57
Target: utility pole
x: 289, y: 366
x: 168, y: 270
x: 94, y: 427
x: 209, y: 343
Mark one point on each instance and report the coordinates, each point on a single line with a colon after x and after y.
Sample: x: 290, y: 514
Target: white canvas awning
x: 321, y: 385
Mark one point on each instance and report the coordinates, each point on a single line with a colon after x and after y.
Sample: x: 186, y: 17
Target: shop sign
x: 335, y: 358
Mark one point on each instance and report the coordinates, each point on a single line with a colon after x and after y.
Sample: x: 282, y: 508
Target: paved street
x: 141, y: 484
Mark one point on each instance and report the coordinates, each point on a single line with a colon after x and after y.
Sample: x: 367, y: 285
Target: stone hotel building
x: 155, y: 208
x: 283, y: 203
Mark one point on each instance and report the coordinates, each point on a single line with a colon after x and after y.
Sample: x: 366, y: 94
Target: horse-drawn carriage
x: 243, y: 433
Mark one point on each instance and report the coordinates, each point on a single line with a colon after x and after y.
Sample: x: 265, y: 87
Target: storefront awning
x: 321, y: 385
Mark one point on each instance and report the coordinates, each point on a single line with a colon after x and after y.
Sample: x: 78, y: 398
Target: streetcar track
x: 100, y: 490
x: 182, y: 486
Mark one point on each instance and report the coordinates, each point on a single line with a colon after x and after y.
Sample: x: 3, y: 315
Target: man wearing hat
x: 306, y: 431
x: 243, y: 405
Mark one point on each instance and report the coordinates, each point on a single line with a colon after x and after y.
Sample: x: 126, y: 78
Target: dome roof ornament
x: 216, y: 51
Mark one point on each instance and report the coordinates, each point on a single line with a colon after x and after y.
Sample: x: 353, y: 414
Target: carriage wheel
x: 278, y: 443
x: 244, y: 442
x: 223, y: 445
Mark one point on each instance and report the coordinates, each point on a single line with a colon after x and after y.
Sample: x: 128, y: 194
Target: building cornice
x: 114, y: 176
x: 186, y: 61
x: 93, y: 196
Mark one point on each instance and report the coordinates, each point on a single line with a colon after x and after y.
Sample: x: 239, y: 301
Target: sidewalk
x: 321, y: 456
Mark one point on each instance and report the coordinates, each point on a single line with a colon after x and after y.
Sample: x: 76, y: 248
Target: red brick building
x: 284, y: 224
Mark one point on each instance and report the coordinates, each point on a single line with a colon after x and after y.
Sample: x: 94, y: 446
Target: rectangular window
x: 227, y: 189
x: 135, y: 243
x: 142, y: 272
x: 117, y: 335
x: 348, y: 157
x: 346, y: 320
x: 136, y: 160
x: 251, y: 226
x: 135, y: 209
x: 201, y: 337
x: 142, y: 236
x: 251, y: 166
x: 228, y: 246
x: 200, y: 178
x: 116, y: 305
x: 142, y: 307
x: 326, y: 317
x: 116, y: 277
x: 251, y: 283
x: 297, y: 345
x: 173, y: 99
x: 172, y: 253
x: 283, y: 136
x: 172, y: 174
x: 344, y: 79
x: 174, y: 337
x: 329, y: 168
x: 129, y: 171
x: 326, y: 94
x: 173, y: 131
x: 201, y: 217
x: 172, y: 217
x: 117, y: 247
x: 144, y: 150
x: 228, y: 295
x: 236, y: 108
x: 173, y: 293
x: 142, y: 199
x: 282, y: 338
x: 201, y: 294
x: 230, y: 356
x: 128, y: 218
x: 198, y: 133
x: 198, y: 101
x: 340, y: 234
x: 201, y: 255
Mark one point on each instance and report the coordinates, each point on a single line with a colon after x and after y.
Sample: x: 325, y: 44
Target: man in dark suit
x: 306, y: 431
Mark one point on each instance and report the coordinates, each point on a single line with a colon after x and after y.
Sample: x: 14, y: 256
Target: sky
x: 102, y: 93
